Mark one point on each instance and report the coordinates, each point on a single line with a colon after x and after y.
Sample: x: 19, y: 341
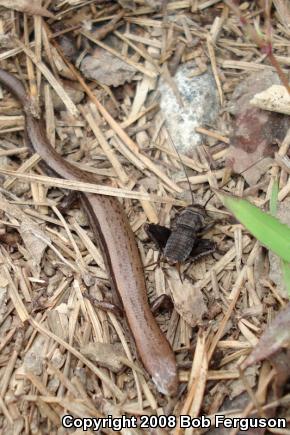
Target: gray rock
x: 200, y: 106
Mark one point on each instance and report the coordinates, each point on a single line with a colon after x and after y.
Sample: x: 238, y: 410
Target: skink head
x: 167, y: 381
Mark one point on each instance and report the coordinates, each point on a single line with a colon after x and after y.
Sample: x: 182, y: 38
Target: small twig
x: 264, y: 44
x: 103, y: 31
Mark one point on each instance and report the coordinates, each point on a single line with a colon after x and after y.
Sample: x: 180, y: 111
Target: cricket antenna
x: 224, y: 184
x: 183, y: 165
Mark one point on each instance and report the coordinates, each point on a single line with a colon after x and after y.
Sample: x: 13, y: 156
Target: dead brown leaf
x: 31, y: 7
x: 254, y: 131
x: 188, y: 300
x: 281, y: 363
x: 106, y: 68
x: 34, y: 238
x: 106, y: 354
x: 275, y: 337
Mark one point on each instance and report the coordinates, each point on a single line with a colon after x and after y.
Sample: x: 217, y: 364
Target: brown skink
x: 113, y: 232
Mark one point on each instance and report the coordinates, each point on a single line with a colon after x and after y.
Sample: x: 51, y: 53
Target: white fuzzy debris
x: 275, y: 99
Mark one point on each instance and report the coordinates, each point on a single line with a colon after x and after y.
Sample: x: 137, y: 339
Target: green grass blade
x: 266, y: 228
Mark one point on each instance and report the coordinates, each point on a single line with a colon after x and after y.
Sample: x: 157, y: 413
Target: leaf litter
x: 56, y: 362
x: 255, y: 132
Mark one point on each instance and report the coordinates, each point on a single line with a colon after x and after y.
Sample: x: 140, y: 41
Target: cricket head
x: 192, y: 217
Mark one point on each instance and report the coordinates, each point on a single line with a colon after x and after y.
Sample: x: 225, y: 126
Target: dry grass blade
x: 91, y: 188
x: 107, y: 381
x: 138, y: 67
x: 13, y: 292
x: 50, y: 78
